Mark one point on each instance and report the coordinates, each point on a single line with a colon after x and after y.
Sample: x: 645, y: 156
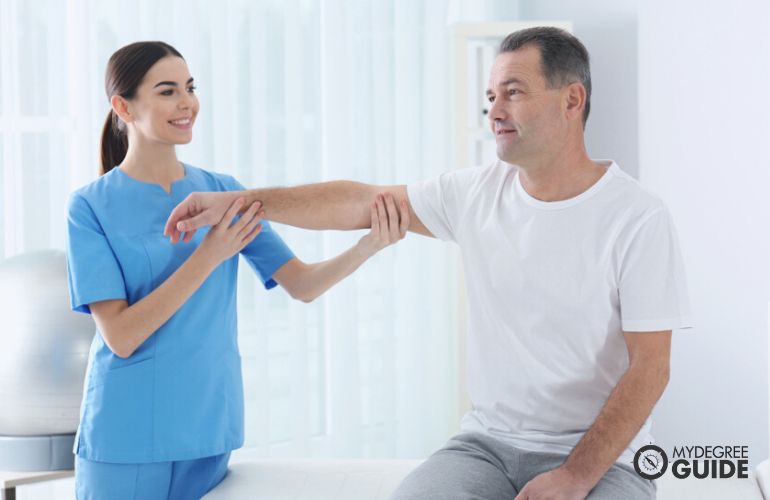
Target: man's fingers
x: 191, y: 224
x: 180, y: 212
x: 189, y: 235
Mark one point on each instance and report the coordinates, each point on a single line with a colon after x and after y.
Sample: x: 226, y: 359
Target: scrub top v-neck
x: 179, y: 396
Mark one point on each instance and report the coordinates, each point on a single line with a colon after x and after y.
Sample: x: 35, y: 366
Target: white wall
x: 704, y: 78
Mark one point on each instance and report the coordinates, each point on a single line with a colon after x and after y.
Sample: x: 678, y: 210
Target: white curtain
x: 291, y: 92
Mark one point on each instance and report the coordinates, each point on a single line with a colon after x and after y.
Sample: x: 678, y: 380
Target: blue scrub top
x: 180, y: 395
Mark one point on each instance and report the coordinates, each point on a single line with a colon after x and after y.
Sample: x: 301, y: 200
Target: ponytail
x: 114, y: 144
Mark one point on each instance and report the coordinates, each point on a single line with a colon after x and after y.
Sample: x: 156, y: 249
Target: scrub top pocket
x: 122, y: 395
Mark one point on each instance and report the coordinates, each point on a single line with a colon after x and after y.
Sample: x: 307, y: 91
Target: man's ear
x: 121, y: 108
x: 574, y: 100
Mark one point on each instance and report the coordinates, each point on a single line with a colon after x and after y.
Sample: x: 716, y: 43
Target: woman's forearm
x: 310, y: 281
x: 131, y: 326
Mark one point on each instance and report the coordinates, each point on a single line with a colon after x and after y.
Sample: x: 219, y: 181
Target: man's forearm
x: 621, y: 418
x: 326, y: 205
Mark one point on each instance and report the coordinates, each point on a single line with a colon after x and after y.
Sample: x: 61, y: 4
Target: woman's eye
x: 191, y: 89
x: 167, y: 92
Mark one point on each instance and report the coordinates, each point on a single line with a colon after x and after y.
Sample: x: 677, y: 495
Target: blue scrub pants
x: 182, y: 480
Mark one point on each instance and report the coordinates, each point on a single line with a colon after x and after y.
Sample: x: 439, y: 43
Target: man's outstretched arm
x: 327, y: 205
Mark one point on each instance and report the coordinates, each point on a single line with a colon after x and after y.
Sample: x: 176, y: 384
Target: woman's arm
x: 306, y: 282
x: 124, y: 328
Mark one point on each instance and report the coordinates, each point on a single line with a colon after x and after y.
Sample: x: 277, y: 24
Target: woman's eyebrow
x: 173, y: 84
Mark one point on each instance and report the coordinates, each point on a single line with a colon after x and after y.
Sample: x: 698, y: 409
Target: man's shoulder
x: 627, y: 191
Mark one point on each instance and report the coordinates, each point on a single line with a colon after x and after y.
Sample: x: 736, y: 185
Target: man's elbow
x: 655, y: 374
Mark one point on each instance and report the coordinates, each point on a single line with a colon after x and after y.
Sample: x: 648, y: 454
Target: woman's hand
x: 226, y: 238
x: 389, y: 224
x: 196, y: 211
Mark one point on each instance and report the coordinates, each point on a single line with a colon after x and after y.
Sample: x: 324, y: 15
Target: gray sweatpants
x: 473, y: 466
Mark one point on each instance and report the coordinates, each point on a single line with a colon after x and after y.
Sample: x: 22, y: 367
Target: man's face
x: 525, y: 115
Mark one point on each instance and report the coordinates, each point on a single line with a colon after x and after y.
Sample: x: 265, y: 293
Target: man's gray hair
x: 563, y: 57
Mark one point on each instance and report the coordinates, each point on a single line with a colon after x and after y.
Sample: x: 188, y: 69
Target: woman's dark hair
x: 125, y: 71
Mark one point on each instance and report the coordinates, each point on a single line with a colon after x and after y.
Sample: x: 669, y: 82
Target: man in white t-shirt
x: 574, y: 279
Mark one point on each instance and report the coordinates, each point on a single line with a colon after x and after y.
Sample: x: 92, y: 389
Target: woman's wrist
x: 365, y: 249
x: 201, y: 258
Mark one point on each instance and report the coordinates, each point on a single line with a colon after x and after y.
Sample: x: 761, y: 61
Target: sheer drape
x: 291, y: 92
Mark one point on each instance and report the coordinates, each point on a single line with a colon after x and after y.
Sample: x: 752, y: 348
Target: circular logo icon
x: 650, y: 461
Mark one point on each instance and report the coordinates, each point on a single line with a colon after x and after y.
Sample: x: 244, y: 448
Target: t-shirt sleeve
x: 439, y: 202
x: 268, y: 252
x: 93, y: 271
x: 653, y: 287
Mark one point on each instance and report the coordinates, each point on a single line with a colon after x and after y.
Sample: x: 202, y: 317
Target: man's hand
x: 556, y: 484
x: 196, y: 211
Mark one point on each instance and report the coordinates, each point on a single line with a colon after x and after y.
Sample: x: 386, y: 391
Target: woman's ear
x: 120, y: 107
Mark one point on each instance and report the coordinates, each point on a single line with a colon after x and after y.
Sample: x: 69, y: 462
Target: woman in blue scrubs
x: 163, y: 395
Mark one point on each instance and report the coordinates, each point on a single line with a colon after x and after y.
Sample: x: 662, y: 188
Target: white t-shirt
x: 551, y: 287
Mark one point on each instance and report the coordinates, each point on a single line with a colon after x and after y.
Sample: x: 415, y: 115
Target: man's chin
x: 508, y: 157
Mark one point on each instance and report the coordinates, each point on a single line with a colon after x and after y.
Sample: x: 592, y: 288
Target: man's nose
x: 496, y: 112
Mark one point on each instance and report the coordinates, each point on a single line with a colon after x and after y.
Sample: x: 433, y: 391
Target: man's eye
x: 513, y: 91
x: 491, y: 98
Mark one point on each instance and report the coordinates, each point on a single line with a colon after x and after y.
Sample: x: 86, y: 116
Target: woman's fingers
x: 375, y: 220
x: 382, y: 215
x: 390, y: 204
x: 250, y: 224
x: 252, y: 234
x: 230, y: 214
x: 404, y: 227
x: 245, y: 219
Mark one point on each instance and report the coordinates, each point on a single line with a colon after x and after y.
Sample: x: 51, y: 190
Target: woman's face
x: 165, y: 105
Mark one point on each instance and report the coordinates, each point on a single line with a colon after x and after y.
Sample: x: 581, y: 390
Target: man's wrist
x: 580, y: 478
